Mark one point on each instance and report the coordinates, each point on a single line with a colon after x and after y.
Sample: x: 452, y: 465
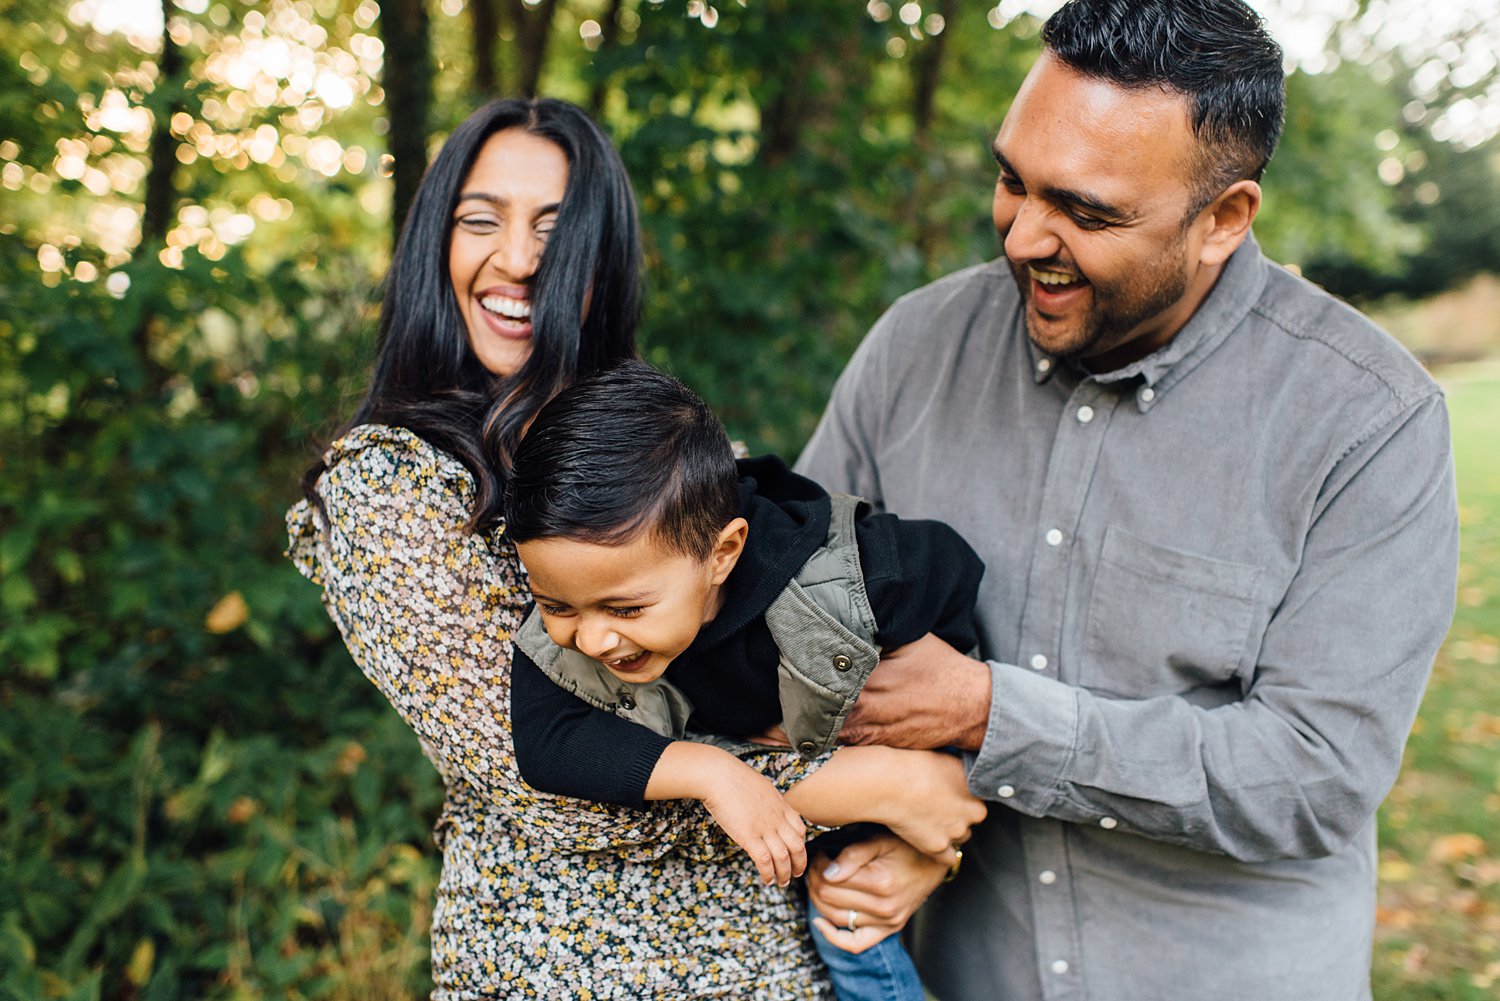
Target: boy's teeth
x: 1052, y: 277
x: 515, y: 309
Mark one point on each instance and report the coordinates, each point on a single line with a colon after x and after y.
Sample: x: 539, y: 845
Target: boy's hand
x: 923, y: 796
x: 753, y: 813
x: 936, y: 810
x: 743, y: 802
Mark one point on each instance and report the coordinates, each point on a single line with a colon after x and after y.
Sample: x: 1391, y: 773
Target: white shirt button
x: 1108, y: 823
x: 1047, y: 877
x: 1147, y: 394
x: 1044, y: 366
x: 1006, y: 792
x: 1085, y: 414
x: 1039, y: 662
x: 1059, y: 966
x: 1054, y: 537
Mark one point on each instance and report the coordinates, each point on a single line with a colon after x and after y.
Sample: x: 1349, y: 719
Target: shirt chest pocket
x: 1164, y: 622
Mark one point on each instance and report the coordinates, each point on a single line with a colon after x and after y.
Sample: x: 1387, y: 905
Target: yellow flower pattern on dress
x: 541, y: 896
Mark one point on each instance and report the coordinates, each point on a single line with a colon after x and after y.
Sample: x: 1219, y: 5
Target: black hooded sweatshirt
x: 921, y: 578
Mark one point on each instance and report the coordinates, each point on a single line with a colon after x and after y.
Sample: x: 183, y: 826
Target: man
x: 1218, y: 516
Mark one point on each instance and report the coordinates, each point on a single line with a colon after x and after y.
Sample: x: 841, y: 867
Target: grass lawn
x: 1439, y: 918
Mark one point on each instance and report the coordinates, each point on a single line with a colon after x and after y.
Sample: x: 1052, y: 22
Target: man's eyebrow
x: 1076, y: 199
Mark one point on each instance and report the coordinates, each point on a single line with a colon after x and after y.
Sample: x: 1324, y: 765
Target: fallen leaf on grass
x: 1394, y: 870
x: 1472, y: 597
x: 1465, y: 902
x: 1395, y: 918
x: 1452, y: 847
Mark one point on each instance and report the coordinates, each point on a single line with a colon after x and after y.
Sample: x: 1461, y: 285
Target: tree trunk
x: 407, y: 79
x: 784, y: 113
x: 532, y: 27
x: 486, y: 35
x: 928, y: 67
x: 156, y: 214
x: 607, y: 41
x: 156, y: 217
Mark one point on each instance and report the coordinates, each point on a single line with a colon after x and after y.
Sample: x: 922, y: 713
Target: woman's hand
x: 882, y: 880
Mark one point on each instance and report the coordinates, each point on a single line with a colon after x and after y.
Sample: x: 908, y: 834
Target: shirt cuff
x: 1029, y: 741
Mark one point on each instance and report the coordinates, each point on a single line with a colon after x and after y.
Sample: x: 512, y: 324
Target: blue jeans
x: 883, y: 972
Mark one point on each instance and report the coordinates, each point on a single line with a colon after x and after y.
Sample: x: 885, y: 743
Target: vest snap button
x: 627, y: 702
x: 807, y: 748
x: 842, y: 663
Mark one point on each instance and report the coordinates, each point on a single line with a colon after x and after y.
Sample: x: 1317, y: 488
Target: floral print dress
x: 541, y: 896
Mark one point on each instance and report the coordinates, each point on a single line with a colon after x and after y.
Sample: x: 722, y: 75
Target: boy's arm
x: 922, y: 577
x: 922, y: 796
x: 568, y: 747
x: 743, y: 802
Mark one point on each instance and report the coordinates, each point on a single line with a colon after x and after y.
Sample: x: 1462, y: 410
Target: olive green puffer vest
x: 823, y: 627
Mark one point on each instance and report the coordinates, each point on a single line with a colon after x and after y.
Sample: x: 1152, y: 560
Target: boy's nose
x: 595, y: 639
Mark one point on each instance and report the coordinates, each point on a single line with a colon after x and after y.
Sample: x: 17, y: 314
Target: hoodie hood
x: 788, y: 516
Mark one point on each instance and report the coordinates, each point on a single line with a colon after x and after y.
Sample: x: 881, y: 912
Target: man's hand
x: 926, y: 695
x: 883, y: 880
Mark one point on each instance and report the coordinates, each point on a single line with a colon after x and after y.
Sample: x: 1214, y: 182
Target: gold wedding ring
x: 958, y: 860
x: 853, y: 924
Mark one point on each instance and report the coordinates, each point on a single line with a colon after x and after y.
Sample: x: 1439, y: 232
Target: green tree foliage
x: 202, y: 797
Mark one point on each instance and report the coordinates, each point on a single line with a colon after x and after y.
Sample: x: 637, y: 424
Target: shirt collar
x: 1229, y: 302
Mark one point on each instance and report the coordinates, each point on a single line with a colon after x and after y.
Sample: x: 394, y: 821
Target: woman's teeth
x: 512, y: 309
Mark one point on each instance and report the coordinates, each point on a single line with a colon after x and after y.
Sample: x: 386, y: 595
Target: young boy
x: 676, y: 591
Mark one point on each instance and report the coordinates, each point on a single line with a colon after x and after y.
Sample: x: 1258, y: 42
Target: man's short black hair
x: 1214, y: 52
x: 627, y: 450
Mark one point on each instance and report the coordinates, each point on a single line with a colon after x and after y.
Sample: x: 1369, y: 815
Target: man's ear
x: 1228, y: 218
x: 727, y: 549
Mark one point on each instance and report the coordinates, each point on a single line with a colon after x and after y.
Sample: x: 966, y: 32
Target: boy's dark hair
x: 1214, y: 52
x: 628, y: 449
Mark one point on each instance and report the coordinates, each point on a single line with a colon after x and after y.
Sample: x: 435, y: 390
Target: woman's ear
x: 727, y: 549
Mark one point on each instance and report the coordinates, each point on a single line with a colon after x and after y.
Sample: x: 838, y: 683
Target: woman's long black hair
x: 427, y: 378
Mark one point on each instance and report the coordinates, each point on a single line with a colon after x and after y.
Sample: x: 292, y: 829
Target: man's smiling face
x: 1092, y: 203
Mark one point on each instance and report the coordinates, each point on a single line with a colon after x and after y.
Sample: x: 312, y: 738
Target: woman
x: 517, y: 272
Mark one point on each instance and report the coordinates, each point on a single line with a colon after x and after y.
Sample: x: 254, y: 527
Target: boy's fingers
x: 784, y: 864
x: 798, y: 854
x: 765, y: 863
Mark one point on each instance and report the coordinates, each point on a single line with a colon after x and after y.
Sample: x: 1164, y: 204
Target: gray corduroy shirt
x: 1216, y: 582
